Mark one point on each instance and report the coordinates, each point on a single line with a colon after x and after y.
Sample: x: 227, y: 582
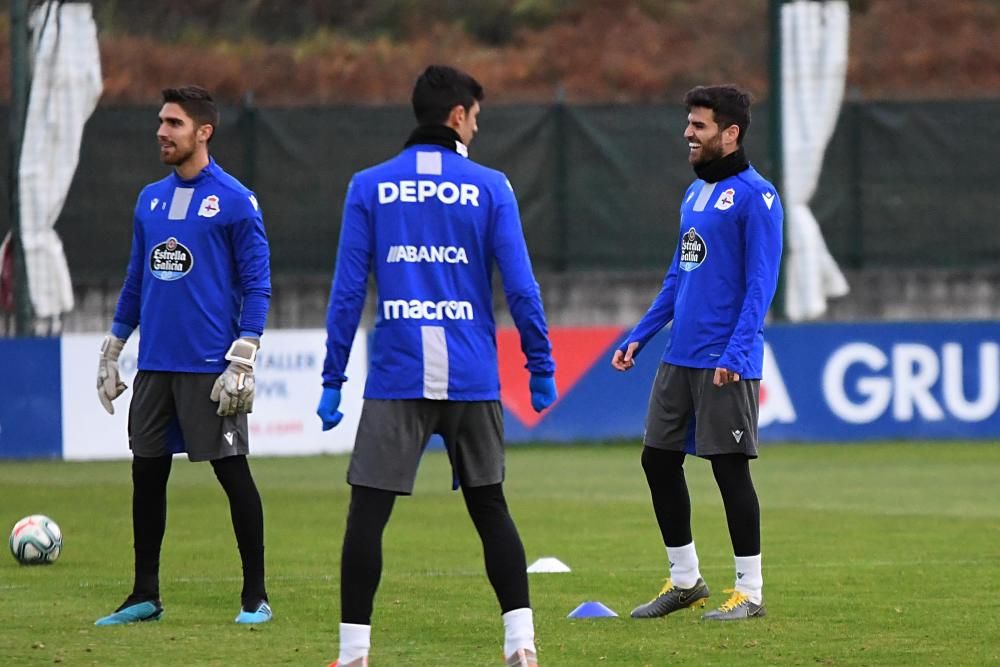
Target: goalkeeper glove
x: 543, y: 391
x: 234, y: 389
x: 327, y: 409
x: 109, y: 383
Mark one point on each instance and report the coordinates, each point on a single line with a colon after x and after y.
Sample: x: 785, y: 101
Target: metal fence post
x: 775, y: 141
x: 561, y: 181
x: 19, y: 89
x: 855, y: 119
x: 248, y: 138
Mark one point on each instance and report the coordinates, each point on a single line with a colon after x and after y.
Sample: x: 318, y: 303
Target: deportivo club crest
x: 170, y: 260
x: 693, y: 250
x: 726, y: 199
x: 209, y: 207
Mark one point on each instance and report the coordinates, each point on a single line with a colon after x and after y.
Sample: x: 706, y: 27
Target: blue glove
x: 543, y: 391
x: 327, y: 409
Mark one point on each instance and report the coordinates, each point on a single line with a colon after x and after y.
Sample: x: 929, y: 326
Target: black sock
x: 149, y: 521
x: 247, y: 512
x: 361, y: 556
x: 732, y: 474
x: 668, y: 489
x: 502, y: 549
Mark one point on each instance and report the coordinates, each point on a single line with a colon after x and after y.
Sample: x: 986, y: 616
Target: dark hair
x: 196, y: 102
x: 439, y: 89
x: 730, y: 104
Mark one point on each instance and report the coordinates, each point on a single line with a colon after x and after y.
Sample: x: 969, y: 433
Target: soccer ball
x: 36, y: 539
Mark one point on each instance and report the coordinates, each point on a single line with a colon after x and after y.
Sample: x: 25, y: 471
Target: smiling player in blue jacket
x: 704, y: 400
x: 431, y: 224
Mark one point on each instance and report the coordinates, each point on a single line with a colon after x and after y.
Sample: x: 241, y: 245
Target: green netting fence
x: 599, y: 186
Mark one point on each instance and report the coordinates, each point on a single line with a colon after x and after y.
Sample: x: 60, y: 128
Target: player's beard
x: 178, y: 155
x: 710, y: 151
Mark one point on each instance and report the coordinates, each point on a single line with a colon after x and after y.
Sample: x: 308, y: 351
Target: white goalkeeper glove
x: 109, y: 383
x: 234, y: 389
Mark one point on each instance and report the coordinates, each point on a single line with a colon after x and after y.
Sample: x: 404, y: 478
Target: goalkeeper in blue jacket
x: 198, y: 286
x: 431, y: 224
x: 704, y: 400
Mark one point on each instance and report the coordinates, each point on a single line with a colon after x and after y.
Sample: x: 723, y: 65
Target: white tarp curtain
x: 65, y: 86
x: 813, y: 74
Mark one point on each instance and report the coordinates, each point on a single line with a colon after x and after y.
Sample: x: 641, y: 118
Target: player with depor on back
x: 430, y: 224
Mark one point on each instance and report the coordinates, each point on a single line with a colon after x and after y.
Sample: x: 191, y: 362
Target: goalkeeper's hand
x: 234, y: 389
x: 327, y: 409
x: 109, y: 383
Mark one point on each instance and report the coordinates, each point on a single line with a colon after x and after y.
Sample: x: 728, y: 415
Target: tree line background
x: 368, y: 52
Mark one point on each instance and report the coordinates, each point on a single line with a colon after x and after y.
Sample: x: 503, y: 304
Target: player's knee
x: 484, y: 502
x: 229, y: 466
x: 233, y: 473
x: 369, y: 509
x: 150, y: 470
x: 660, y: 461
x: 731, y: 470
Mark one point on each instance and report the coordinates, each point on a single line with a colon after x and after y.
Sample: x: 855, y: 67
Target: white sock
x: 749, y: 579
x: 684, y: 572
x: 355, y: 641
x: 518, y: 631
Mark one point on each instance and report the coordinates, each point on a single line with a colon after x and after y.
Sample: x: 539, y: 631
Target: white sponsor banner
x: 283, y: 422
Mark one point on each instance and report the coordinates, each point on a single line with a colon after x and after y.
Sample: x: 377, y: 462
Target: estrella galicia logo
x: 170, y: 260
x: 693, y: 250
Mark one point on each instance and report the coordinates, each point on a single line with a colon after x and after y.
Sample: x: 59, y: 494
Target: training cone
x: 548, y: 564
x: 591, y: 609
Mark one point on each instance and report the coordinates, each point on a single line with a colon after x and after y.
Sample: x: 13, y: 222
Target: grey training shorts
x: 688, y: 413
x: 392, y: 436
x: 172, y: 413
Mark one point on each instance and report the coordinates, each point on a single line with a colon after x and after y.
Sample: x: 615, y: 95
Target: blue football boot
x: 262, y: 614
x: 137, y: 612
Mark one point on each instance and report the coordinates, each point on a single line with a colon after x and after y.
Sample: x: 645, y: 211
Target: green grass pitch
x: 883, y: 554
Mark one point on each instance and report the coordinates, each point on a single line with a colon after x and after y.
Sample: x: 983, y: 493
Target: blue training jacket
x: 199, y: 273
x: 430, y: 224
x: 722, y: 277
